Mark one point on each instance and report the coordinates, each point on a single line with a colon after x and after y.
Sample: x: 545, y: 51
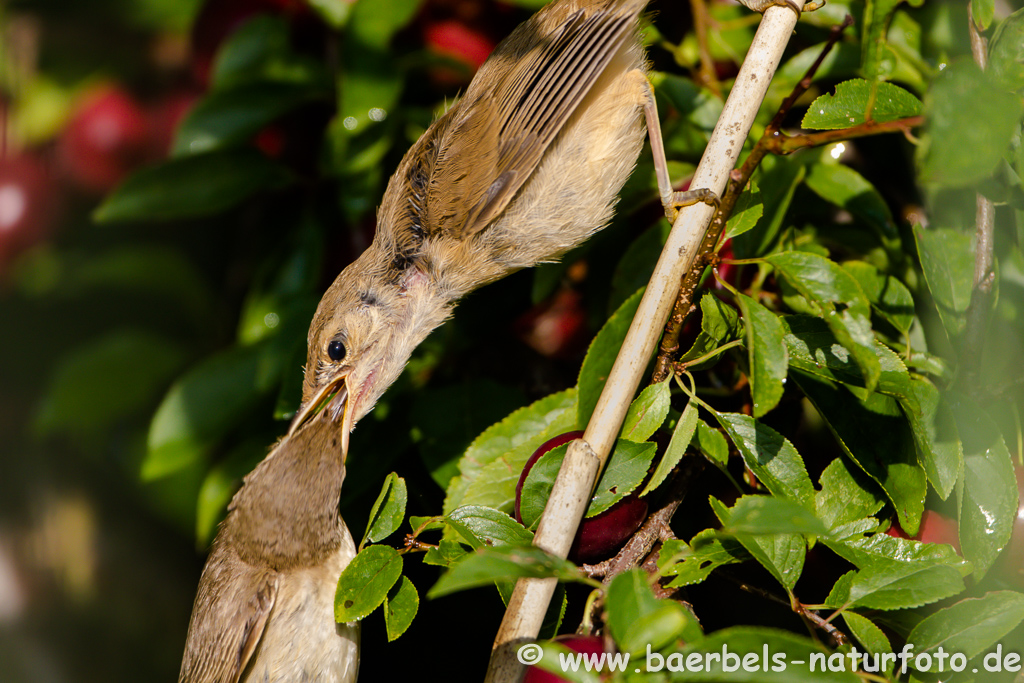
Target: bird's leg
x: 671, y: 200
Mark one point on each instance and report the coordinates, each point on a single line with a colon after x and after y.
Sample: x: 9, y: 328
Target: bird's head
x: 365, y: 328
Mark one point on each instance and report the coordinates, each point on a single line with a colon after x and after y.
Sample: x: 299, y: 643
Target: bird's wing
x: 228, y: 619
x: 496, y: 139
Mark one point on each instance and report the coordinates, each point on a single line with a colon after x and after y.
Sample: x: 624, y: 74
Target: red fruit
x: 462, y: 43
x: 601, y: 535
x: 935, y: 528
x: 556, y: 328
x: 165, y: 116
x: 107, y: 137
x: 27, y: 204
x: 590, y: 645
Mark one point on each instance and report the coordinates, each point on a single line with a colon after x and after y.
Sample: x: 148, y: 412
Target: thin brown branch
x: 809, y: 616
x: 706, y: 71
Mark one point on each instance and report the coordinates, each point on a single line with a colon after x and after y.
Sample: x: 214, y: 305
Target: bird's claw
x: 761, y: 5
x: 678, y: 200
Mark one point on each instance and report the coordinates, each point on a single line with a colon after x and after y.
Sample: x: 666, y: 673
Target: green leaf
x: 447, y: 553
x: 874, y: 432
x: 893, y: 586
x: 846, y: 496
x: 770, y: 456
x: 647, y: 412
x: 711, y: 443
x: 490, y: 467
x: 192, y: 186
x: 931, y: 421
x: 844, y: 187
x: 947, y: 260
x: 854, y: 103
x: 375, y: 23
x: 259, y: 51
x: 682, y: 435
x: 335, y: 13
x: 204, y: 404
x: 877, y: 56
x: 983, y: 12
x: 628, y: 600
x: 106, y: 380
x: 626, y: 468
x: 400, y: 608
x: 506, y: 562
x: 888, y: 296
x: 600, y: 357
x: 869, y: 635
x: 781, y: 554
x: 634, y: 269
x: 748, y: 211
x: 388, y: 510
x: 881, y: 550
x: 765, y: 515
x: 719, y: 324
x: 1005, y: 52
x: 962, y: 145
x: 768, y: 356
x: 231, y: 117
x: 970, y: 626
x: 987, y: 491
x: 488, y: 526
x: 815, y: 350
x: 365, y: 582
x: 790, y: 658
x: 693, y: 563
x: 778, y: 184
x: 839, y: 300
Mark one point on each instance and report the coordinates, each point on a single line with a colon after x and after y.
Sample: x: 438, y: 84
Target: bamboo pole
x: 586, y: 457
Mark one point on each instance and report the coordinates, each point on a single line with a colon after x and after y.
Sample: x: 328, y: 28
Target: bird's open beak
x: 332, y: 402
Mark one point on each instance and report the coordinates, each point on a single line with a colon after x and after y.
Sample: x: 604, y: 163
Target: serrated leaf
x: 711, y: 443
x: 970, y: 626
x: 365, y: 582
x: 693, y: 563
x: 628, y: 599
x: 489, y: 526
x: 768, y: 358
x: 388, y: 510
x: 447, y: 553
x: 193, y: 186
x: 869, y: 635
x: 845, y: 496
x: 400, y: 608
x: 938, y: 444
x: 765, y: 515
x: 600, y: 357
x: 839, y: 301
x: 885, y: 450
x: 987, y: 491
x: 504, y: 563
x: 647, y: 412
x: 854, y: 101
x: 895, y: 586
x: 781, y: 554
x: 888, y: 296
x: 947, y: 260
x: 881, y: 549
x: 770, y: 456
x: 962, y: 145
x: 490, y: 467
x: 682, y: 435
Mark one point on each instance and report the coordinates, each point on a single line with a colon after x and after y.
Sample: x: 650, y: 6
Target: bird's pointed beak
x: 333, y: 403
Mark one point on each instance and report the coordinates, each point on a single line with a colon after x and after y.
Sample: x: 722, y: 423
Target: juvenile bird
x: 265, y: 607
x: 525, y: 166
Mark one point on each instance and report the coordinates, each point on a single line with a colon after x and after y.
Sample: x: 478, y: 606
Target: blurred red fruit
x: 556, y: 328
x: 459, y: 42
x: 935, y: 528
x: 106, y: 138
x: 165, y: 117
x: 1010, y: 565
x: 588, y: 645
x: 27, y: 204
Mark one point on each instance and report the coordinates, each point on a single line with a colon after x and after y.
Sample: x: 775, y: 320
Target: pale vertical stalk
x: 586, y: 457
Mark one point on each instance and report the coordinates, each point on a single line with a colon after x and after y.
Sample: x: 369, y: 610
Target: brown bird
x: 265, y: 607
x: 525, y: 166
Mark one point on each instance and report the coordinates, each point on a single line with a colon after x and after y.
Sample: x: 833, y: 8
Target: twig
x: 585, y: 457
x: 684, y: 304
x: 706, y: 72
x: 976, y: 322
x: 816, y: 619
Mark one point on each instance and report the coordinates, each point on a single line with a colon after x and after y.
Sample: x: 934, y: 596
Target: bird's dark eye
x: 336, y: 350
